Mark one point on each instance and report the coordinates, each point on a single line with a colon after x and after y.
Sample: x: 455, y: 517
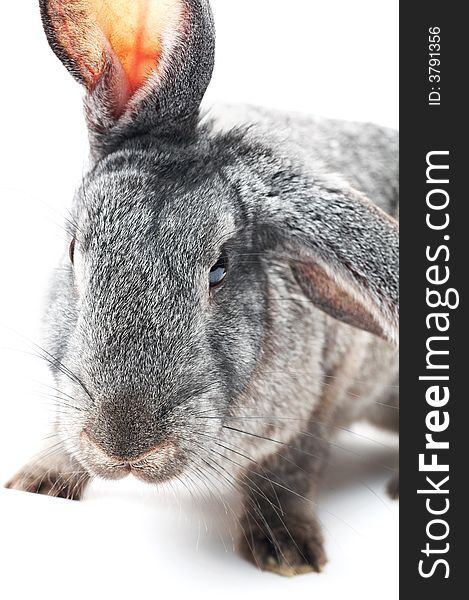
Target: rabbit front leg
x: 54, y: 472
x: 280, y: 531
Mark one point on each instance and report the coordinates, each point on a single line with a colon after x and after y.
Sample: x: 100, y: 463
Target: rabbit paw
x: 50, y: 482
x: 291, y: 549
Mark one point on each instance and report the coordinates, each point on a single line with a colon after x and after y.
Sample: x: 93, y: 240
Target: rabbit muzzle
x: 159, y: 463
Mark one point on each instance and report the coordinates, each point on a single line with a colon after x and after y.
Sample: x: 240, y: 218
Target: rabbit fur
x: 241, y: 387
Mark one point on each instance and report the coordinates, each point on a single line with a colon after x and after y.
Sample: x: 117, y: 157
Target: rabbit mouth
x: 158, y: 464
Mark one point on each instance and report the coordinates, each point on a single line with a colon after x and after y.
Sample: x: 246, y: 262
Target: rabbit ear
x: 148, y: 60
x: 344, y: 253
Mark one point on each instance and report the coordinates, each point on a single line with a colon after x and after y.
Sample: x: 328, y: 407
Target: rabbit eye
x: 71, y: 251
x: 218, y: 272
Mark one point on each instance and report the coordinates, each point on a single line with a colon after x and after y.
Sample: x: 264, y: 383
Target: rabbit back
x: 365, y: 155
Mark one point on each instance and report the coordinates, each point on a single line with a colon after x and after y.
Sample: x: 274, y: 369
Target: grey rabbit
x: 229, y: 296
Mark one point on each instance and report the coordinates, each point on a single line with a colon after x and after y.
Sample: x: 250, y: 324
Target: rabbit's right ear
x: 145, y: 64
x: 343, y: 251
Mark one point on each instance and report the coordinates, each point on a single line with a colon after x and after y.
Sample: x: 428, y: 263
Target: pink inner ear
x: 143, y: 55
x: 136, y: 30
x: 334, y: 299
x: 132, y: 34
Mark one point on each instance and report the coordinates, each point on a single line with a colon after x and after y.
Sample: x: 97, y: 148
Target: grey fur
x: 152, y: 360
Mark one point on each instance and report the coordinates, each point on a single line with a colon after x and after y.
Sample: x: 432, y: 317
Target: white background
x: 335, y: 57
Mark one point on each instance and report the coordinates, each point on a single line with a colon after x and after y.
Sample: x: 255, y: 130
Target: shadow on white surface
x: 128, y: 539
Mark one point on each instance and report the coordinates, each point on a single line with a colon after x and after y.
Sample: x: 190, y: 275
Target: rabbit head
x: 162, y: 312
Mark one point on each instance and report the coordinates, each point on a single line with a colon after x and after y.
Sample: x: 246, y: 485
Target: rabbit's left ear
x: 145, y: 64
x: 344, y: 253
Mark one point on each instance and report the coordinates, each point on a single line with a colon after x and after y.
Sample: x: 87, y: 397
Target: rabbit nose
x: 127, y: 458
x: 113, y: 466
x: 124, y: 426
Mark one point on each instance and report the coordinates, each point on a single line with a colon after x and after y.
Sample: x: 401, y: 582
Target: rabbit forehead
x: 129, y: 208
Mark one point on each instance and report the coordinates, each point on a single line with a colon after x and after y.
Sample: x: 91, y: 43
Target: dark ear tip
x: 54, y: 44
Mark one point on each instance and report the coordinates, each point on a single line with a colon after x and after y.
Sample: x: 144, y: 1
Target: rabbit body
x: 242, y: 384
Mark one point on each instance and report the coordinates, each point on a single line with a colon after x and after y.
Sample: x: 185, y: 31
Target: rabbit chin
x: 159, y: 464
